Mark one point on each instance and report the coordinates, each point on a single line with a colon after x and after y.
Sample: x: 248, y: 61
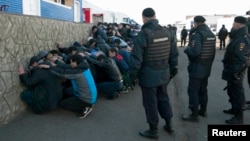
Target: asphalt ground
x: 122, y: 119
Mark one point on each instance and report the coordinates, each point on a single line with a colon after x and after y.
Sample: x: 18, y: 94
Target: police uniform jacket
x: 150, y: 76
x: 201, y: 52
x: 236, y: 56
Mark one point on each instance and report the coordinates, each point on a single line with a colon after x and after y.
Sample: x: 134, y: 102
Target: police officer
x: 248, y: 70
x: 235, y: 63
x: 153, y: 59
x: 200, y: 52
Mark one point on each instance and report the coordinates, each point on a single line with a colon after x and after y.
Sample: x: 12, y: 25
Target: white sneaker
x: 85, y: 112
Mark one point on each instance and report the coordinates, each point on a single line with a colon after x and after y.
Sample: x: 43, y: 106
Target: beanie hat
x: 148, y: 12
x: 77, y: 44
x: 199, y: 19
x: 33, y: 60
x: 42, y: 54
x: 91, y: 41
x: 240, y: 19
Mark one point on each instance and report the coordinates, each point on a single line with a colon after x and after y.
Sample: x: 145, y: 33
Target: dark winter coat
x: 236, y: 55
x: 45, y: 87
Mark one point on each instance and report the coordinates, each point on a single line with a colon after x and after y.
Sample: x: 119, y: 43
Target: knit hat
x: 240, y: 19
x: 91, y: 41
x: 33, y: 60
x: 148, y: 12
x: 199, y: 19
x: 42, y: 54
x: 77, y: 44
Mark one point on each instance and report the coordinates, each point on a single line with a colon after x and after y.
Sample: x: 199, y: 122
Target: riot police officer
x: 201, y: 53
x: 235, y: 62
x: 153, y: 59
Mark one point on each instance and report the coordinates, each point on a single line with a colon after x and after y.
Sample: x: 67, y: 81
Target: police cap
x: 240, y: 19
x: 199, y: 19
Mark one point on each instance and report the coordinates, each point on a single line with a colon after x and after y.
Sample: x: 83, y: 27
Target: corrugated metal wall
x: 48, y: 9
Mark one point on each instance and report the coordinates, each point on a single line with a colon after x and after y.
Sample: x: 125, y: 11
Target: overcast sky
x: 169, y: 11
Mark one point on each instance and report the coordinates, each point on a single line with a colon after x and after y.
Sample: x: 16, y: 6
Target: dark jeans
x: 74, y: 104
x: 156, y: 100
x: 26, y: 96
x: 197, y: 92
x: 183, y: 41
x: 109, y: 88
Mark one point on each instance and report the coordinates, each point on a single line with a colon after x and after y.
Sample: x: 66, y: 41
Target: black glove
x: 236, y: 76
x: 173, y: 72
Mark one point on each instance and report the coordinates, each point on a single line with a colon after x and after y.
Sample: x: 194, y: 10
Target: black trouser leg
x: 224, y: 43
x: 220, y: 44
x: 74, y: 104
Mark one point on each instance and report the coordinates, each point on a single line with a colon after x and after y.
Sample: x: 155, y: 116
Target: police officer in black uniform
x: 201, y: 53
x: 153, y: 59
x: 235, y: 62
x: 248, y: 70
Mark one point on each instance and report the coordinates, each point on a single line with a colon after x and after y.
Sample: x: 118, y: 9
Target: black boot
x: 229, y: 111
x: 151, y: 133
x: 192, y: 117
x: 203, y: 111
x: 237, y: 119
x: 168, y: 126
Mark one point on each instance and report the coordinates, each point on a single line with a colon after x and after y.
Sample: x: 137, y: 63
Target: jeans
x: 109, y: 88
x: 74, y: 104
x: 26, y: 96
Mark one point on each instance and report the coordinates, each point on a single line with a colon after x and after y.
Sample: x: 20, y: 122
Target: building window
x: 60, y: 1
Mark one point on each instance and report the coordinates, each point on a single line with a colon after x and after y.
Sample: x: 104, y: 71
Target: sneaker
x: 124, y: 90
x: 85, y: 112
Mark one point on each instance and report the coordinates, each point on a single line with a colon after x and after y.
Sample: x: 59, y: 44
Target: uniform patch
x: 193, y: 43
x: 242, y: 46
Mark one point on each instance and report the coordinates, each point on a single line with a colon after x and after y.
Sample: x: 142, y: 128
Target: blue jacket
x: 121, y: 63
x: 81, y: 78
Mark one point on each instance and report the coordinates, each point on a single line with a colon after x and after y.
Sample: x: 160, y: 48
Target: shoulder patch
x: 242, y: 46
x: 193, y: 43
